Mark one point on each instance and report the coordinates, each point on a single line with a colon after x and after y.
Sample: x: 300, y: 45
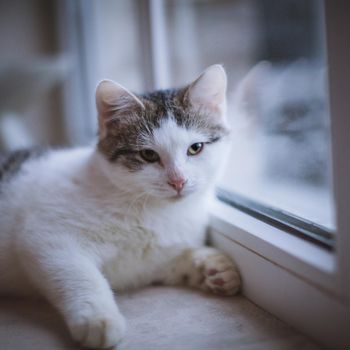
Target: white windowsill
x: 301, y: 258
x: 292, y: 279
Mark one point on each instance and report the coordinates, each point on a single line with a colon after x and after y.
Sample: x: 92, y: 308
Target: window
x: 275, y: 57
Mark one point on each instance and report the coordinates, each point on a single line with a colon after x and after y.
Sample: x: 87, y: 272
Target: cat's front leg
x: 205, y: 268
x: 75, y: 286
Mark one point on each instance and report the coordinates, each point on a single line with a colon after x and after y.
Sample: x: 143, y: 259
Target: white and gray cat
x: 132, y: 211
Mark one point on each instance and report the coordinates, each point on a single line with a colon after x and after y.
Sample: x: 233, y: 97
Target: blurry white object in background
x: 13, y: 133
x: 21, y: 84
x: 24, y: 82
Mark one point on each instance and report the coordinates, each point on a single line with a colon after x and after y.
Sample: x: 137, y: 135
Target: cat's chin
x: 181, y: 196
x: 178, y: 197
x: 170, y: 197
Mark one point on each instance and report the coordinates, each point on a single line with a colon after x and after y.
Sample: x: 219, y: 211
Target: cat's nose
x: 177, y: 184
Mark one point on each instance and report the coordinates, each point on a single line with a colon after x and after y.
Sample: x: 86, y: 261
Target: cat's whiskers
x: 159, y: 192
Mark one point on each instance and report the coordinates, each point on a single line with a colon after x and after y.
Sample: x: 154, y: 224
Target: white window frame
x: 76, y: 32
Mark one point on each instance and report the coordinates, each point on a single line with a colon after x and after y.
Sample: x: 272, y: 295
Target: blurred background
x: 53, y: 53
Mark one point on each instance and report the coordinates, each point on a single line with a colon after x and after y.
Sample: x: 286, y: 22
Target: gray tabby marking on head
x: 10, y: 165
x: 127, y: 133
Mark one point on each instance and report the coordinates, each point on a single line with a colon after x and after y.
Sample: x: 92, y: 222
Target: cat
x: 127, y: 212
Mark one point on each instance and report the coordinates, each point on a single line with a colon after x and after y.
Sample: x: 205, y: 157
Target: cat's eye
x: 149, y: 155
x: 195, y: 148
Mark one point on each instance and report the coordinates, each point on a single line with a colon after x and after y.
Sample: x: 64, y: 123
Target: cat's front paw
x: 97, y: 329
x: 214, y: 272
x: 220, y: 275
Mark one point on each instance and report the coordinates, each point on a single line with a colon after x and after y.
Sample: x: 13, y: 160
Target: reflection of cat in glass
x: 285, y: 107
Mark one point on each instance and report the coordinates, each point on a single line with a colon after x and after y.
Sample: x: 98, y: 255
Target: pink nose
x: 177, y: 184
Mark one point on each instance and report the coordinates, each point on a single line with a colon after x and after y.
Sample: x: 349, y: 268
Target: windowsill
x: 299, y: 257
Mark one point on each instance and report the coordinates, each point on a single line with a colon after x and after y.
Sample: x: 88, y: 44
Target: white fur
x: 73, y: 225
x: 209, y: 90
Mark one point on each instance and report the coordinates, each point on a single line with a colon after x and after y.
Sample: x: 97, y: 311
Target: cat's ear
x: 208, y: 91
x: 246, y: 92
x: 114, y: 101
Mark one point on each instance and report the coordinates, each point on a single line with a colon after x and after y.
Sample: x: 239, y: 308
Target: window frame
x: 75, y: 39
x: 338, y: 23
x: 301, y: 227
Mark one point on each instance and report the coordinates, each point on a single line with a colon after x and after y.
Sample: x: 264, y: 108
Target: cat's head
x: 166, y: 144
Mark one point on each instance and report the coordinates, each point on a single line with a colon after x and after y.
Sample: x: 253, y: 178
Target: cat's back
x: 34, y: 185
x: 32, y: 181
x: 11, y: 164
x: 13, y: 167
x: 28, y: 171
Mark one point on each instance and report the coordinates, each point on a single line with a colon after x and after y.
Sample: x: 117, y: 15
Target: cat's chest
x: 144, y: 235
x: 163, y: 231
x: 143, y: 248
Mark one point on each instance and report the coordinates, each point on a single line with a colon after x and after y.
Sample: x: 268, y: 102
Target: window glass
x: 274, y: 54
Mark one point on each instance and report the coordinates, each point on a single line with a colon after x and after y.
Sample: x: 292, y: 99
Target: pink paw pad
x: 212, y: 272
x: 219, y: 282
